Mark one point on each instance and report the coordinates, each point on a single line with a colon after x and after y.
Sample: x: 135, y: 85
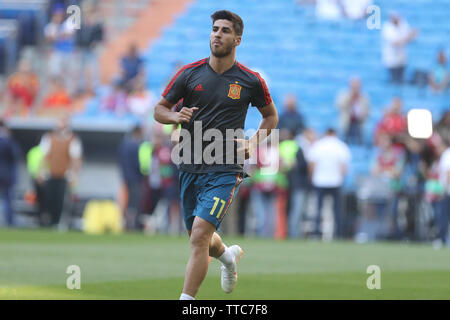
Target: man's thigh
x: 188, y: 195
x: 216, y: 192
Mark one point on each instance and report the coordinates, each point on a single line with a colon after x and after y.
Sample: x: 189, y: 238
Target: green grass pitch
x: 133, y: 266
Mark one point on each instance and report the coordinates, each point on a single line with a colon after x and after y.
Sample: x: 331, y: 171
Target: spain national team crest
x: 235, y: 91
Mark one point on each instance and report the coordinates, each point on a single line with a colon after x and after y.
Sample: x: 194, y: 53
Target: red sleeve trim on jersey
x: 267, y: 97
x: 191, y: 65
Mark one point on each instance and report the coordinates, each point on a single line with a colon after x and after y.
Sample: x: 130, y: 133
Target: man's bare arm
x: 163, y: 113
x: 268, y: 123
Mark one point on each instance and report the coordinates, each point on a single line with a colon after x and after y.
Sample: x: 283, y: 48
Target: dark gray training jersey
x: 222, y: 99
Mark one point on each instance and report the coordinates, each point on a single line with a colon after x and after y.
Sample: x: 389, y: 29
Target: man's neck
x: 220, y: 65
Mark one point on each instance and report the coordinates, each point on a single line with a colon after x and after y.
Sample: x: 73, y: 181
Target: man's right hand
x: 185, y: 114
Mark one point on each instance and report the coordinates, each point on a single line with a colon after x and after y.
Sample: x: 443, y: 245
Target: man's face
x: 355, y: 85
x: 63, y: 124
x: 290, y: 103
x: 223, y: 39
x: 58, y: 17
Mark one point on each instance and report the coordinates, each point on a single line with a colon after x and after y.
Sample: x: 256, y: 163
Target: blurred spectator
x: 60, y: 35
x: 265, y: 188
x: 438, y: 79
x: 396, y: 34
x: 88, y: 39
x: 22, y: 90
x: 329, y: 159
x: 339, y: 9
x: 141, y: 100
x: 298, y: 187
x: 356, y: 9
x: 380, y: 190
x: 132, y: 176
x: 36, y: 170
x: 291, y: 119
x: 433, y: 188
x: 115, y: 101
x: 306, y: 139
x: 394, y: 122
x: 163, y: 181
x: 63, y: 153
x: 9, y: 158
x: 443, y: 127
x: 132, y: 66
x: 444, y: 210
x: 354, y: 109
x: 411, y: 184
x: 57, y: 99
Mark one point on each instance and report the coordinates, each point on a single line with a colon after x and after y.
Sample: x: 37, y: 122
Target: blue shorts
x: 207, y: 195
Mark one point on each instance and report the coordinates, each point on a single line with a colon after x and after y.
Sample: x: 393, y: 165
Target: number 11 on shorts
x: 216, y: 199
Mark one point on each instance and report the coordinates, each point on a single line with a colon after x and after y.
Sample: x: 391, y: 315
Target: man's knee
x: 201, y: 234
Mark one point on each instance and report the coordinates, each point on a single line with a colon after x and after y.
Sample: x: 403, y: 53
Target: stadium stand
x: 313, y: 59
x: 295, y: 52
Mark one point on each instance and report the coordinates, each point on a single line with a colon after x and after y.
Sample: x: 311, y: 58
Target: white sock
x: 185, y: 296
x: 227, y: 258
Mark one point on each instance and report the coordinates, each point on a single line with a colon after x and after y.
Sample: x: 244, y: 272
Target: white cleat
x: 229, y: 274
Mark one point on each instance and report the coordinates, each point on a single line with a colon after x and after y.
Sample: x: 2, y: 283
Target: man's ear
x: 237, y: 40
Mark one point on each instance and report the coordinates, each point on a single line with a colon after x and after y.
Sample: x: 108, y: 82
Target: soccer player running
x: 216, y: 91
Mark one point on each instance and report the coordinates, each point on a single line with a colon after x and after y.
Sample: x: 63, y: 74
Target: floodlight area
x: 420, y: 123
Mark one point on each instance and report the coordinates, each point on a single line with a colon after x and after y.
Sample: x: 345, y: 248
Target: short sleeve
x: 175, y: 90
x: 45, y: 144
x: 261, y: 96
x: 311, y: 155
x: 76, y: 148
x: 346, y: 154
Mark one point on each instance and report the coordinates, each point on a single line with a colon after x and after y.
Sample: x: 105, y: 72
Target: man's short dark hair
x: 331, y: 131
x: 238, y: 24
x: 137, y: 130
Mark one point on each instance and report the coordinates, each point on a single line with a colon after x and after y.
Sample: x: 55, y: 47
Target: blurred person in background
x: 411, y: 189
x: 291, y: 119
x: 115, y: 101
x: 286, y: 198
x: 394, y: 122
x: 328, y: 161
x: 265, y: 186
x: 57, y: 100
x: 298, y: 186
x: 339, y: 9
x: 9, y: 158
x: 132, y: 176
x: 88, y: 40
x: 433, y: 188
x: 439, y: 77
x: 382, y: 190
x: 63, y: 154
x: 60, y: 36
x: 141, y: 100
x: 444, y: 210
x: 356, y: 9
x: 163, y: 181
x: 132, y: 66
x: 306, y: 139
x: 354, y: 108
x: 36, y: 170
x: 443, y: 127
x: 22, y: 89
x: 396, y: 35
